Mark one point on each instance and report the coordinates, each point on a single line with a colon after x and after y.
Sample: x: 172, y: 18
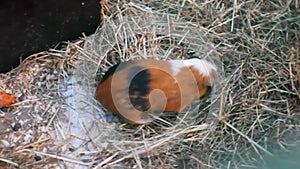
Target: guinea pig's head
x: 204, y: 72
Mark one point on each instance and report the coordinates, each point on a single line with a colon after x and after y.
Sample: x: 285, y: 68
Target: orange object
x: 141, y: 90
x: 6, y: 99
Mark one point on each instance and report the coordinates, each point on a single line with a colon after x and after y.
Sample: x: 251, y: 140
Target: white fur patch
x: 203, y: 66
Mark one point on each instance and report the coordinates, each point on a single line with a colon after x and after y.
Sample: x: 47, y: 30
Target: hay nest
x: 252, y: 115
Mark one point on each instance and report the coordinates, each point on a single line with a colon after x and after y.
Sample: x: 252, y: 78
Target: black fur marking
x: 141, y: 104
x: 139, y: 84
x: 115, y: 69
x: 139, y: 88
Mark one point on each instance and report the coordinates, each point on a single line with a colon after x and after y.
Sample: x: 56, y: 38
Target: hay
x: 252, y: 115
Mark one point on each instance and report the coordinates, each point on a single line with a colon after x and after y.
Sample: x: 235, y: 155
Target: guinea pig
x: 139, y: 91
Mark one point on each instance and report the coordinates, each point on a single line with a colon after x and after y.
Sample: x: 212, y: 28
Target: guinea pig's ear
x: 207, y: 93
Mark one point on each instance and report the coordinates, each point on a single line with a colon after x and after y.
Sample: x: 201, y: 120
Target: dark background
x: 31, y: 26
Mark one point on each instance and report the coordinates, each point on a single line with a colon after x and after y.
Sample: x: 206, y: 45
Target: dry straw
x: 251, y: 117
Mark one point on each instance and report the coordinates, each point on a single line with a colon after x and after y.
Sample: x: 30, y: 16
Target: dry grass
x: 253, y: 113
